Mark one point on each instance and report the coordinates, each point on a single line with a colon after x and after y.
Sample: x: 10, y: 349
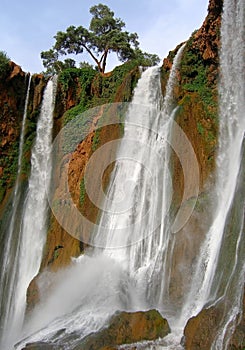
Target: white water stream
x: 232, y: 126
x: 32, y: 229
x: 105, y: 280
x: 9, y: 267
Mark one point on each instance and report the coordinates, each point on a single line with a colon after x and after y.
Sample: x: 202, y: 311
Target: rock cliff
x: 12, y: 99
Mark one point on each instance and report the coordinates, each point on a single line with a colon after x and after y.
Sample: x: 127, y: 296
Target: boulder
x: 127, y: 328
x: 123, y: 328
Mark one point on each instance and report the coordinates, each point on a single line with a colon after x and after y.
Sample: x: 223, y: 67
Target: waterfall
x: 32, y: 230
x: 142, y: 226
x: 129, y: 266
x: 127, y: 277
x: 210, y: 275
x: 9, y: 264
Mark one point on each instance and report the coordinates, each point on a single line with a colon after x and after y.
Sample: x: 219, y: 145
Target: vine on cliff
x: 194, y: 72
x: 96, y: 90
x: 199, y: 86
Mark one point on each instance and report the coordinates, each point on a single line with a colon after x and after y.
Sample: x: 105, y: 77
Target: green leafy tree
x: 146, y: 59
x: 4, y: 64
x: 85, y: 64
x: 53, y: 65
x: 105, y: 35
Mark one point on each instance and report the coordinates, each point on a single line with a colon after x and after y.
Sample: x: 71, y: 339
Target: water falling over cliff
x: 123, y: 278
x: 215, y: 281
x: 30, y: 227
x: 9, y: 268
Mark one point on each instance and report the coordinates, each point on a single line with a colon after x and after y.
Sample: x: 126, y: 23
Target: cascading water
x: 11, y: 244
x: 124, y: 278
x: 211, y: 283
x: 144, y: 245
x: 32, y: 228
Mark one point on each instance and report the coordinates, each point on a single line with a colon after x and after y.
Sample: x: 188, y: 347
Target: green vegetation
x: 106, y: 88
x: 97, y: 89
x: 85, y: 76
x: 2, y: 190
x: 196, y: 94
x: 10, y: 168
x: 194, y: 71
x: 146, y: 59
x: 96, y: 140
x: 10, y: 161
x: 13, y: 113
x: 105, y: 35
x: 69, y: 78
x: 56, y: 254
x: 200, y: 128
x: 4, y: 64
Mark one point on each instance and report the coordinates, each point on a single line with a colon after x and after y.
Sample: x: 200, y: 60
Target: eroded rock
x: 124, y: 328
x: 127, y: 328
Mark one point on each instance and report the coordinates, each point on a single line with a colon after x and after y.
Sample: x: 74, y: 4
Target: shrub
x: 4, y: 64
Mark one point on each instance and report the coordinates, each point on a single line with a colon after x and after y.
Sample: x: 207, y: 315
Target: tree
x: 53, y: 65
x: 85, y: 64
x: 146, y: 59
x: 105, y: 35
x: 4, y: 64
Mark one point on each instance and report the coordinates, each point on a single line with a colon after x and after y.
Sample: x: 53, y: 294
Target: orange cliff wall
x: 13, y: 88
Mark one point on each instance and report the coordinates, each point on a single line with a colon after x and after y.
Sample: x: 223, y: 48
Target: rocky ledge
x: 123, y: 328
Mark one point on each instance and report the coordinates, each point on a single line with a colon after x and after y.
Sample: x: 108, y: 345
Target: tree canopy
x: 105, y: 35
x: 4, y: 64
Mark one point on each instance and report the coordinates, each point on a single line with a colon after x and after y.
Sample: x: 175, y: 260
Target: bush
x: 82, y: 191
x: 4, y: 64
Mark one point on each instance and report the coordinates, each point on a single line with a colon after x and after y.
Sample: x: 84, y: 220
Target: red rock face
x: 13, y: 90
x: 12, y: 98
x: 11, y: 104
x: 207, y: 37
x: 201, y: 330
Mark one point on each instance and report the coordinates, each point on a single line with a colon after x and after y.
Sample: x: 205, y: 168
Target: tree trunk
x: 104, y: 61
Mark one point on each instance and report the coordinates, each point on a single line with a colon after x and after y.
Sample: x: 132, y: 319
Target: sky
x: 27, y: 27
